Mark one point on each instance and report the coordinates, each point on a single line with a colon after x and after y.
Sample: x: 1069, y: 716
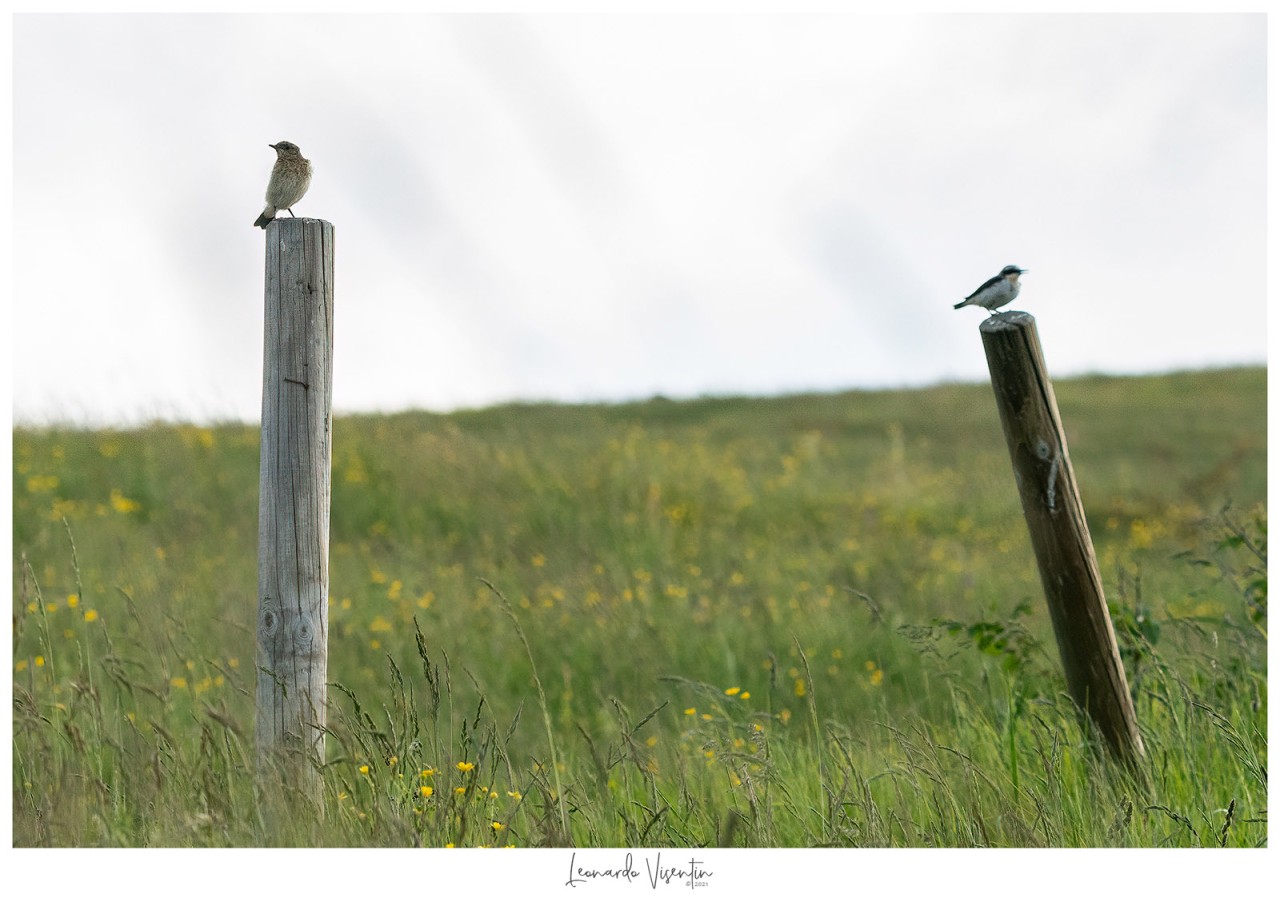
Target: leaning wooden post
x: 293, y: 505
x: 1059, y: 533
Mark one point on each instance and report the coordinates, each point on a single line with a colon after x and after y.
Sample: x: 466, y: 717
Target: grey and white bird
x: 999, y: 291
x: 290, y: 178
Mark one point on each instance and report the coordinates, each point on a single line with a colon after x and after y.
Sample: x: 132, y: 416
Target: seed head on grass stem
x: 542, y: 703
x: 819, y: 743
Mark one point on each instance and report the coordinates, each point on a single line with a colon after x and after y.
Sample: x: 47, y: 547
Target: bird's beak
x: 272, y: 145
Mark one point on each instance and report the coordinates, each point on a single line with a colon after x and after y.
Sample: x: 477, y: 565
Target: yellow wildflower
x: 121, y: 504
x: 42, y: 484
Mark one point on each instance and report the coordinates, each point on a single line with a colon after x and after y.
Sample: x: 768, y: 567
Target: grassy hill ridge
x: 801, y: 597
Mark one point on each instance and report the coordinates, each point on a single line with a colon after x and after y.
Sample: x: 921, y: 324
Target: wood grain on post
x: 293, y: 506
x: 1059, y: 533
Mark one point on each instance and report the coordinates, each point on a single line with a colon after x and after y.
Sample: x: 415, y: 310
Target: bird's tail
x: 961, y: 304
x: 268, y: 214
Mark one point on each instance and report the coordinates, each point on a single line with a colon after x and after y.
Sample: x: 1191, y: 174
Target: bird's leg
x: 291, y: 215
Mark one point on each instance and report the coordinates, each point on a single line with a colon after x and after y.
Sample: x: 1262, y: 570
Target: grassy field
x: 799, y: 621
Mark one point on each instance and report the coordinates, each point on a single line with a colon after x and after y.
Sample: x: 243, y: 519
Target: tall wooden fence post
x: 1059, y: 533
x: 293, y: 506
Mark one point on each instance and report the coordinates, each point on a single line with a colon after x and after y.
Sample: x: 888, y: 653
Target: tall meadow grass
x: 803, y: 621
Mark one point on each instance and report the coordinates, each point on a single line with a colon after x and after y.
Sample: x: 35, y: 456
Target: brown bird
x: 290, y: 178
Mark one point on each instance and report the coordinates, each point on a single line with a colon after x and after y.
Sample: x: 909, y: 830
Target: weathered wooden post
x: 293, y: 505
x: 1059, y: 532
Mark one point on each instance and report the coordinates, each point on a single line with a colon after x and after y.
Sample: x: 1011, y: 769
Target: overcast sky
x: 607, y: 207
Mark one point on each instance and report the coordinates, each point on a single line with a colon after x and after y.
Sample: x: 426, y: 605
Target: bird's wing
x: 987, y: 284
